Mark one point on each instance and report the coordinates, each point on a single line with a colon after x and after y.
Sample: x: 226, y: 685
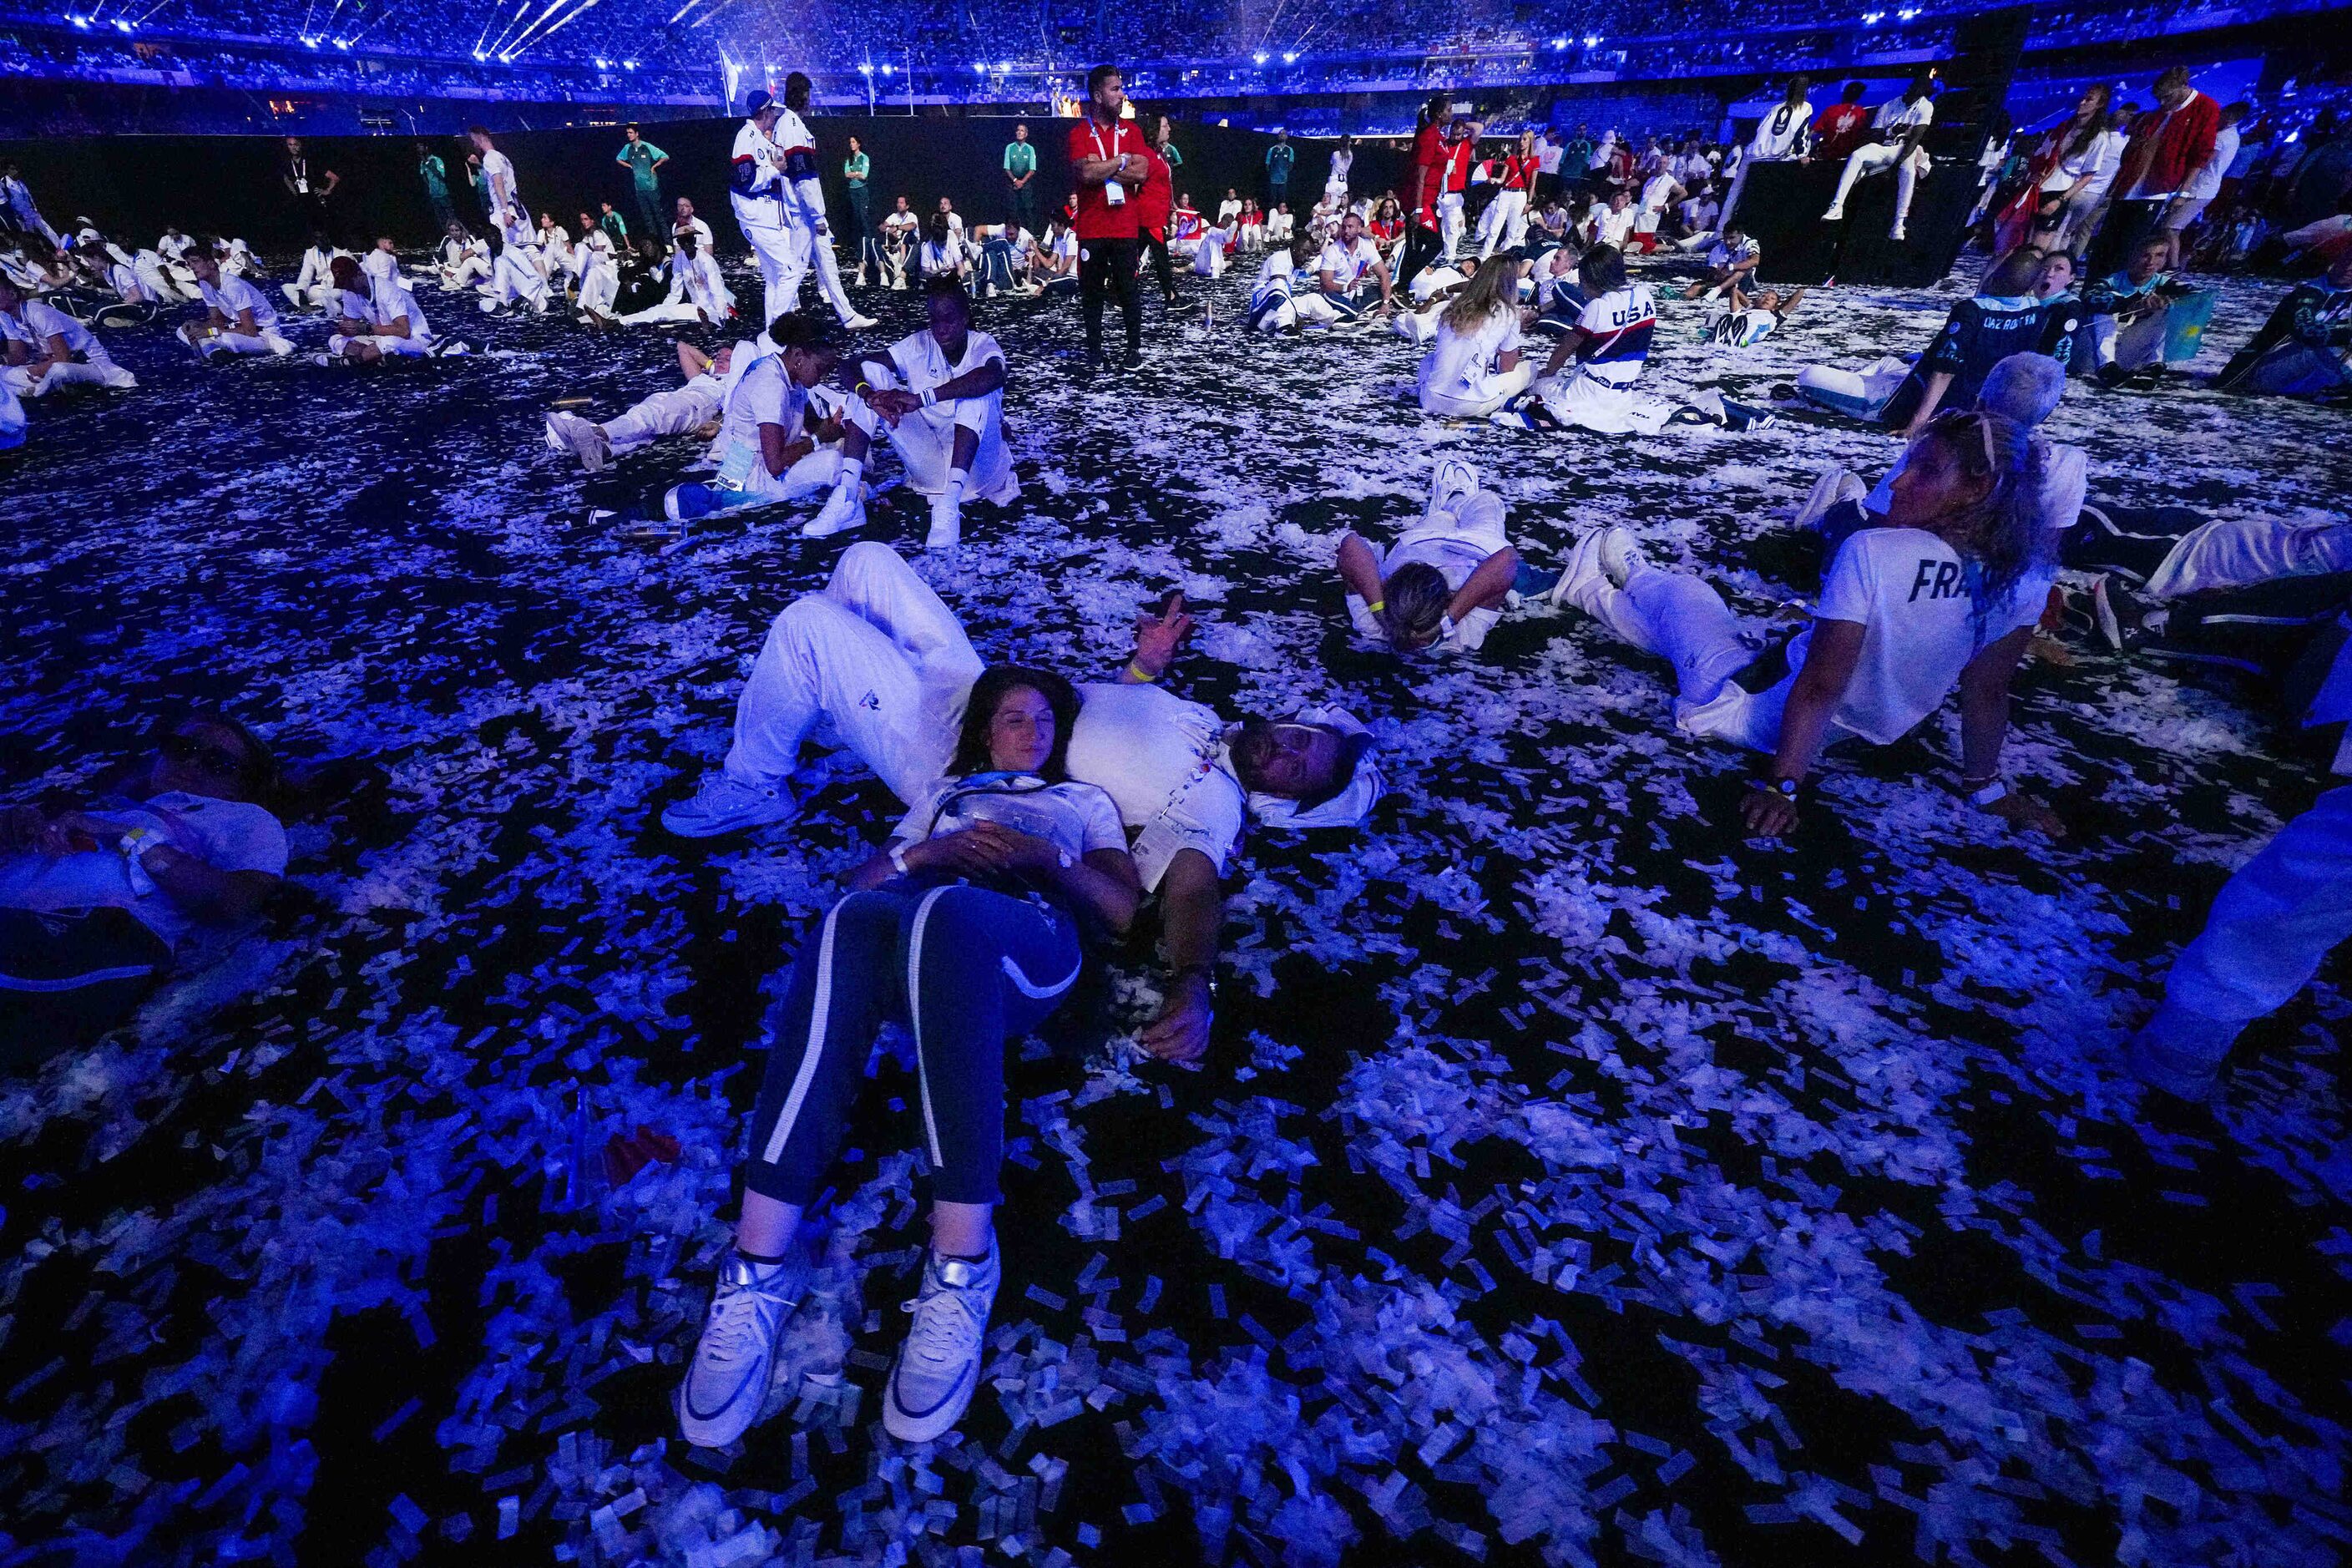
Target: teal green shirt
x: 1020, y: 158
x: 435, y: 174
x: 1175, y: 159
x: 854, y: 167
x: 640, y: 157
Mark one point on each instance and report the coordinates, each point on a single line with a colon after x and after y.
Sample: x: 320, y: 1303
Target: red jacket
x: 2161, y: 160
x: 1839, y: 131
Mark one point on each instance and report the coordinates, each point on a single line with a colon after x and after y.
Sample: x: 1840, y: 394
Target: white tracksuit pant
x: 1869, y: 159
x: 1574, y: 397
x: 786, y: 244
x: 472, y: 270
x: 154, y: 283
x: 1858, y: 394
x: 409, y: 347
x: 877, y: 656
x: 1683, y: 620
x: 1504, y: 224
x: 678, y: 411
x: 2271, y: 927
x: 1494, y: 389
x: 96, y: 368
x: 2237, y: 552
x: 515, y: 279
x: 313, y: 297
x: 925, y: 440
x: 1450, y: 223
x: 237, y: 342
x: 600, y: 286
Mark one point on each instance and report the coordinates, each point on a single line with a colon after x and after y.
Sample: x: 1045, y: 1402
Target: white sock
x: 957, y: 479
x: 853, y: 470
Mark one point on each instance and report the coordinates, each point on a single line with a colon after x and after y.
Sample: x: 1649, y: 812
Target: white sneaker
x: 588, y: 443
x: 553, y: 423
x: 1830, y: 486
x: 947, y: 522
x: 1583, y: 572
x: 724, y: 804
x: 938, y: 1368
x: 727, y: 1382
x: 1835, y: 215
x: 1618, y: 554
x: 843, y: 511
x: 858, y: 322
x: 1896, y: 233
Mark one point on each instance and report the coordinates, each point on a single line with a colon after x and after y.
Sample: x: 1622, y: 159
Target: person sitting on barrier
x: 1901, y: 128
x: 239, y: 317
x: 1945, y: 593
x: 940, y: 394
x: 1445, y: 581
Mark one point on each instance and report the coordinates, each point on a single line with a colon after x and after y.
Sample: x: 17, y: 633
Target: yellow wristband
x: 1377, y: 606
x: 1140, y: 673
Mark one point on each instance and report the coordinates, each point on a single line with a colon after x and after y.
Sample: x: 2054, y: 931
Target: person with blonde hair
x: 1475, y: 363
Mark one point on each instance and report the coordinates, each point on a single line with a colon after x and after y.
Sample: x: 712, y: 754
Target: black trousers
x: 66, y: 976
x: 1157, y: 244
x: 1105, y: 266
x: 1421, y: 247
x: 2127, y: 224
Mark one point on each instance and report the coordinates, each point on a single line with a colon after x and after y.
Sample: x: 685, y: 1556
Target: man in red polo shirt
x: 1106, y: 153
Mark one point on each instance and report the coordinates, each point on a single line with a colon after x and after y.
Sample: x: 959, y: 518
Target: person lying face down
x: 884, y: 662
x: 1444, y: 584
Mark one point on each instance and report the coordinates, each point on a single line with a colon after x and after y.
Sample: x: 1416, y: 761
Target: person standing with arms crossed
x: 1106, y: 154
x: 644, y: 160
x: 1021, y: 171
x: 856, y: 171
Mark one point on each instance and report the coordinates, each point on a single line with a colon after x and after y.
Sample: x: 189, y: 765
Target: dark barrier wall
x: 133, y: 185
x: 1782, y: 206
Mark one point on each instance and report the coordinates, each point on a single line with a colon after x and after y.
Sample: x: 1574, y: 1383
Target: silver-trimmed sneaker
x: 723, y: 805
x: 727, y: 1382
x: 938, y: 1369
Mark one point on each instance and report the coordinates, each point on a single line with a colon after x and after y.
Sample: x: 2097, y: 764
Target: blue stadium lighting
x: 604, y: 65
x: 309, y: 43
x: 82, y: 22
x: 1870, y: 18
x: 120, y: 26
x: 1004, y: 65
x: 980, y: 66
x: 1559, y: 43
x: 628, y: 65
x: 865, y: 71
x: 886, y: 70
x: 1258, y: 58
x: 1907, y: 13
x: 342, y: 43
x: 1591, y: 41
x: 1290, y: 56
x: 480, y: 55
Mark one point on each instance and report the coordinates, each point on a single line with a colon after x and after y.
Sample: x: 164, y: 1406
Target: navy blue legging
x: 965, y: 969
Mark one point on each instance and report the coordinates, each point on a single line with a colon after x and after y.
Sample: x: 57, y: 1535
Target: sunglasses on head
x: 203, y: 753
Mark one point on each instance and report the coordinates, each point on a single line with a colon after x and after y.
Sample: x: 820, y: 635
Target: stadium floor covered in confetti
x: 1572, y: 1181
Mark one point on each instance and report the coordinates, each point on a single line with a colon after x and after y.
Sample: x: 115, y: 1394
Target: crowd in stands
x: 991, y: 51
